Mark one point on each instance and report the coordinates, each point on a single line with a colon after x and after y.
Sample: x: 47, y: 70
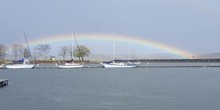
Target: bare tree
x: 63, y: 52
x: 17, y: 51
x: 43, y: 49
x: 70, y: 51
x: 26, y: 53
x: 3, y: 50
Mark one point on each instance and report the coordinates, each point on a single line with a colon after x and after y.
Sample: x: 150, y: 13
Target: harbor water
x: 111, y: 89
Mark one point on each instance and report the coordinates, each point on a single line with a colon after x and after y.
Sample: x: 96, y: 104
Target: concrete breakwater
x: 143, y: 65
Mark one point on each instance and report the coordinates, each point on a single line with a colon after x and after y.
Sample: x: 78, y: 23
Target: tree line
x: 42, y: 51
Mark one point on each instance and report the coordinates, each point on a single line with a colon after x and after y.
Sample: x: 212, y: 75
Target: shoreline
x: 140, y: 60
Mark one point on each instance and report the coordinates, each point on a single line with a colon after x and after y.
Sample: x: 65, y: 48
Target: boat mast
x: 27, y: 45
x: 80, y: 55
x: 72, y: 46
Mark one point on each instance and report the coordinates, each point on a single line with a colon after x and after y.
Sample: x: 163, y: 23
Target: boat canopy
x: 19, y: 61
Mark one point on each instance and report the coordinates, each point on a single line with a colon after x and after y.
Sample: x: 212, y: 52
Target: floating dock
x: 3, y: 82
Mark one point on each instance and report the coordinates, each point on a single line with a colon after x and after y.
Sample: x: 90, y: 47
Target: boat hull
x: 20, y: 66
x: 118, y: 66
x: 70, y: 66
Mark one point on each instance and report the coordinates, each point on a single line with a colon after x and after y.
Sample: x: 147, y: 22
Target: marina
x: 109, y: 55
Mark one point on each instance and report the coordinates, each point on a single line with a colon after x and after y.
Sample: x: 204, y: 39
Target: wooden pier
x: 3, y: 82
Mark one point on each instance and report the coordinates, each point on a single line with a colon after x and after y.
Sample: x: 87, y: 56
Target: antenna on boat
x: 72, y: 46
x: 129, y: 50
x: 77, y: 46
x: 27, y: 45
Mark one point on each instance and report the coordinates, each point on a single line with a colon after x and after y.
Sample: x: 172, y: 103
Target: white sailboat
x: 119, y: 63
x: 70, y: 64
x: 21, y: 64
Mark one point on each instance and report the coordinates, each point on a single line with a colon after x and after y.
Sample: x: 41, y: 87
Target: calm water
x: 111, y: 89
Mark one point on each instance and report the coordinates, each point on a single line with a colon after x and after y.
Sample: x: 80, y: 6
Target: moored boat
x: 70, y: 65
x: 119, y: 64
x: 21, y: 64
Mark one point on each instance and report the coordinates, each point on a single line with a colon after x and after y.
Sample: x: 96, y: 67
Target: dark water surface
x: 111, y: 89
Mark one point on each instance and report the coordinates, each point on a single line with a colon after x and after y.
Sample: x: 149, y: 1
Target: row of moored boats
x: 25, y: 64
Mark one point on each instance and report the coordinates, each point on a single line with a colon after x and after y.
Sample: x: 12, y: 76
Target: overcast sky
x: 191, y: 25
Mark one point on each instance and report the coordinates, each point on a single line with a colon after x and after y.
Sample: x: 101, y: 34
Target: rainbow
x: 105, y: 37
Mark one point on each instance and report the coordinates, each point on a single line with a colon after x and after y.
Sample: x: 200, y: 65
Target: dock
x: 3, y: 82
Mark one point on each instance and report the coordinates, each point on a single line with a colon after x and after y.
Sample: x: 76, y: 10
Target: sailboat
x: 70, y: 64
x: 23, y: 63
x: 119, y: 63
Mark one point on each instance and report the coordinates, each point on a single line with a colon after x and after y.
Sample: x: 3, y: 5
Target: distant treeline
x: 58, y: 61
